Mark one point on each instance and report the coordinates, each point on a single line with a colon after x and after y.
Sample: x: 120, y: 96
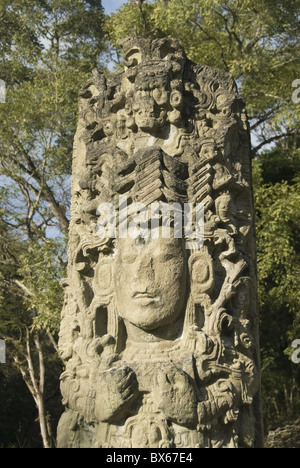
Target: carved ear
x: 176, y: 99
x: 103, y: 278
x: 133, y: 58
x: 201, y: 273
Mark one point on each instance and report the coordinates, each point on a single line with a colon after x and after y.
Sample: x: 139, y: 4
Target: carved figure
x: 160, y: 341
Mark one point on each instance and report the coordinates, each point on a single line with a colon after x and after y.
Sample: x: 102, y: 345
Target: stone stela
x: 160, y: 342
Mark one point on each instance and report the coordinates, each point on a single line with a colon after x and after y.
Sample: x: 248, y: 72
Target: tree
x: 48, y: 50
x: 30, y: 301
x: 44, y: 65
x: 277, y: 199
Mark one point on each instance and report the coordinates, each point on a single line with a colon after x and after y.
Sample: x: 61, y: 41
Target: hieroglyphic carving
x: 160, y: 341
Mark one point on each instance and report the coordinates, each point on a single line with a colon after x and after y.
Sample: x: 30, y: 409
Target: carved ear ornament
x: 103, y: 277
x: 201, y: 273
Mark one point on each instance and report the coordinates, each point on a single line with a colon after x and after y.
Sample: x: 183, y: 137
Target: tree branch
x: 45, y: 191
x: 263, y: 118
x: 230, y: 32
x: 24, y: 288
x: 212, y: 38
x: 255, y: 150
x: 31, y: 368
x: 41, y: 364
x: 26, y: 379
x: 53, y: 342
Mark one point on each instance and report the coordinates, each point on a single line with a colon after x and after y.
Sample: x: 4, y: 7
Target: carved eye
x: 164, y: 258
x: 176, y: 99
x: 245, y: 340
x: 128, y: 258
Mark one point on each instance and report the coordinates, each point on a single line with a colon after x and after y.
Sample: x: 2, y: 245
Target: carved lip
x: 146, y: 298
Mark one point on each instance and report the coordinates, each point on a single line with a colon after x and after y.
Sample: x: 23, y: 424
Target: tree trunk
x: 37, y: 387
x: 46, y: 437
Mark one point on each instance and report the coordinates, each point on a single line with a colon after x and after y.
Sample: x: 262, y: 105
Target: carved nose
x: 149, y: 104
x: 144, y: 273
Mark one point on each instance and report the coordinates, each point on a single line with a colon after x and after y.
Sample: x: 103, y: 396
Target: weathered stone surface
x: 160, y: 341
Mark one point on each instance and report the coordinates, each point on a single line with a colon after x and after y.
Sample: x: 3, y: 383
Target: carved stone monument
x: 159, y: 333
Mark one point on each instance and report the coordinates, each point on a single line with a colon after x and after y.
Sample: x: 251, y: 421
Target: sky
x: 112, y: 5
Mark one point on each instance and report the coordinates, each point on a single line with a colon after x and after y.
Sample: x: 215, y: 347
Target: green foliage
x: 129, y: 21
x: 48, y: 50
x: 42, y: 271
x: 277, y: 201
x: 60, y: 42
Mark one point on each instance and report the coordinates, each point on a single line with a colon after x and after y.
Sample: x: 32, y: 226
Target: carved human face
x: 151, y: 100
x: 149, y: 111
x: 224, y: 207
x: 150, y: 281
x: 242, y: 297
